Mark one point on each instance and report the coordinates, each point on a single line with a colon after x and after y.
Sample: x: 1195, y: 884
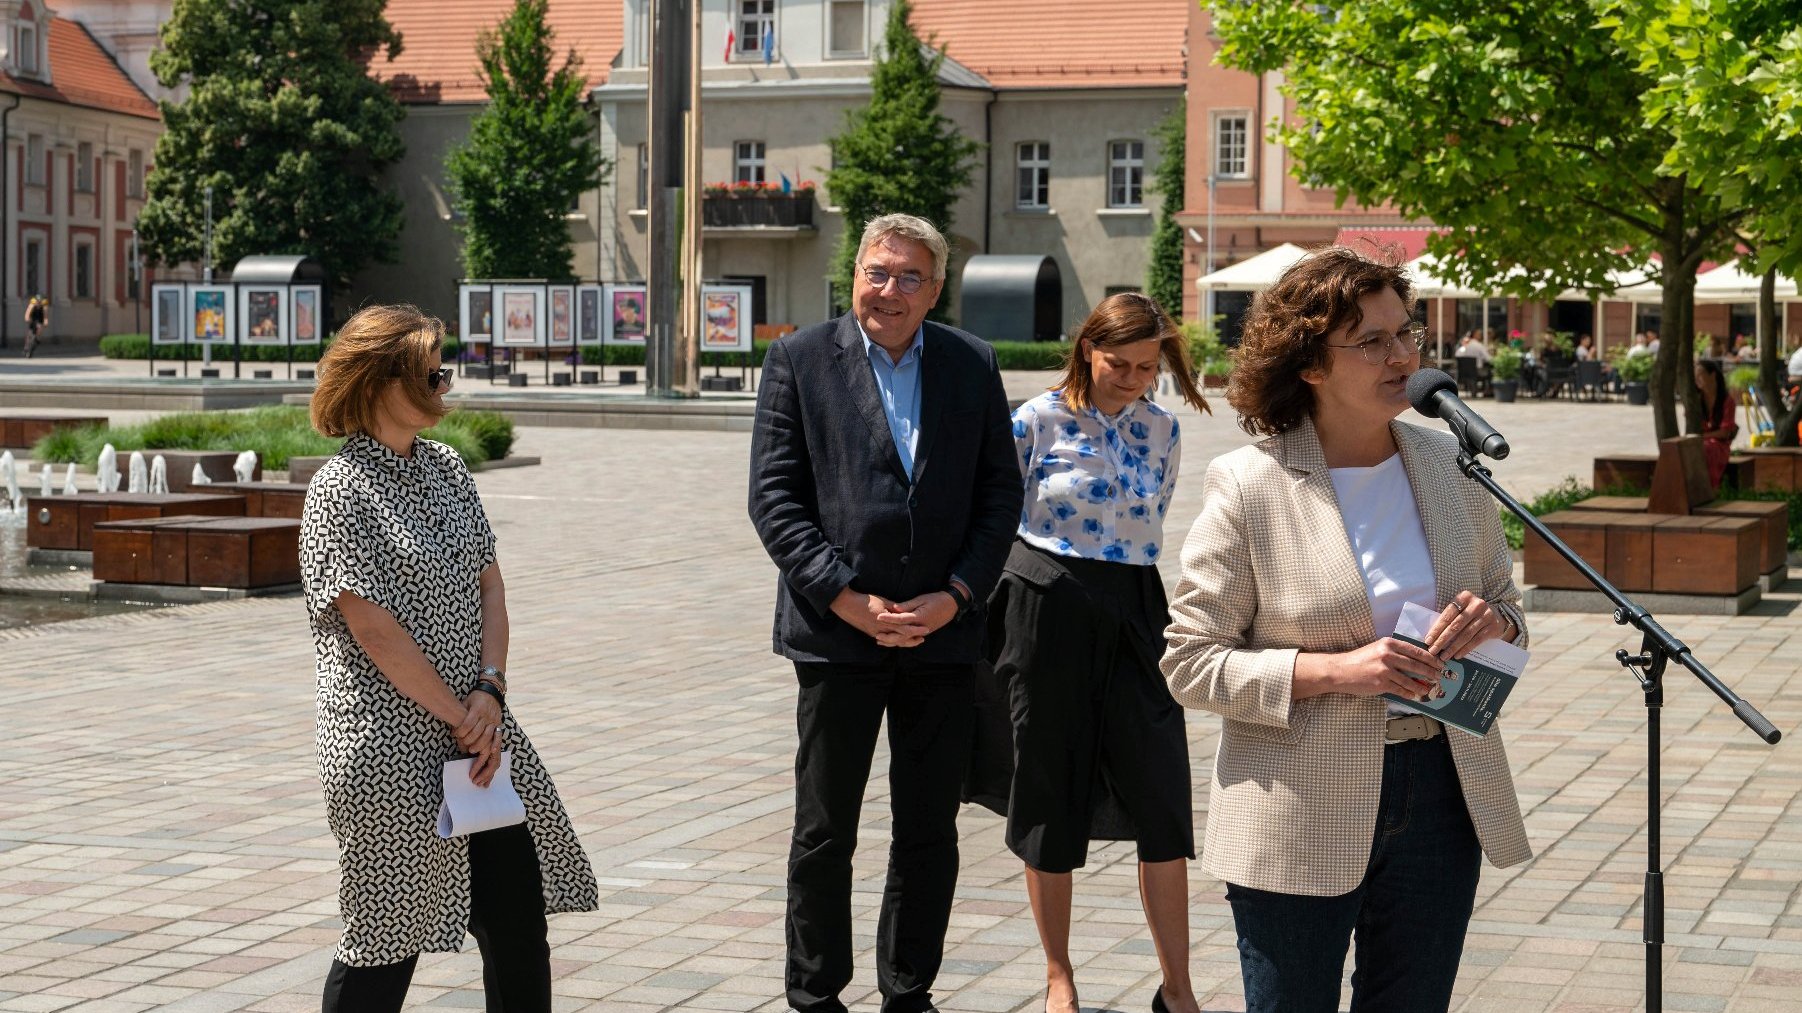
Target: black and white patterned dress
x: 409, y: 534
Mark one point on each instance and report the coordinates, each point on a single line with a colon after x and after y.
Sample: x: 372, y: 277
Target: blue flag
x: 786, y: 185
x: 769, y: 43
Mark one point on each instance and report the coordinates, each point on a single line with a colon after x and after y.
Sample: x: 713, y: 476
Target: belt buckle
x: 1408, y: 728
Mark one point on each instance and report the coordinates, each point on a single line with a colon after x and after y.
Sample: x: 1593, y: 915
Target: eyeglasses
x: 1379, y: 348
x: 907, y: 283
x: 435, y: 379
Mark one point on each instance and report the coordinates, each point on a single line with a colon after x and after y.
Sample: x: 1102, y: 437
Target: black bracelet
x: 958, y: 596
x: 492, y: 690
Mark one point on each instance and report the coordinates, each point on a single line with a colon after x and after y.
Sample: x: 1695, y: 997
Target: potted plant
x: 1505, y: 369
x: 1636, y: 370
x: 1214, y: 373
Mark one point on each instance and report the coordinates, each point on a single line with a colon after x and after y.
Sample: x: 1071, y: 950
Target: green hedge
x: 275, y: 432
x: 137, y: 346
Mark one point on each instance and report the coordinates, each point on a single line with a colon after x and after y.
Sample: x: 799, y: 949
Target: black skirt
x: 1078, y: 738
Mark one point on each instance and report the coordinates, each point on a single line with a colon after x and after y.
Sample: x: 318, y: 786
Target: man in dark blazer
x: 884, y: 485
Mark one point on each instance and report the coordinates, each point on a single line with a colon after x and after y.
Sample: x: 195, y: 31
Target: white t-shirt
x: 1377, y: 505
x: 1795, y: 363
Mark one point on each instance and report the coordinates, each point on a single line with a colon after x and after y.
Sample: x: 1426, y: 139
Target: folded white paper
x: 469, y: 809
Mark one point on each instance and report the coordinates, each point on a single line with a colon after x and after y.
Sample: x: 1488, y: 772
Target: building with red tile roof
x: 1035, y: 44
x: 438, y: 64
x: 79, y: 136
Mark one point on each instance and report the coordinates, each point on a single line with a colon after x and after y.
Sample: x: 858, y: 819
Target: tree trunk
x: 1687, y: 391
x: 1679, y: 292
x: 1770, y: 343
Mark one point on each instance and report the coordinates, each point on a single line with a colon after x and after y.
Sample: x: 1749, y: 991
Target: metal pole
x: 206, y: 270
x: 670, y: 70
x: 1207, y: 294
x: 686, y: 375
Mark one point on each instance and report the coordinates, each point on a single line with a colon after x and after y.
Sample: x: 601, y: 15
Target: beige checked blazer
x: 1268, y: 571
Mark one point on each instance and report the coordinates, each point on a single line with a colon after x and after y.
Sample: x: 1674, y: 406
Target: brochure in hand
x: 1471, y: 689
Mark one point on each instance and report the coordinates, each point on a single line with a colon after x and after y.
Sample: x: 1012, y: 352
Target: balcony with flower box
x: 759, y: 210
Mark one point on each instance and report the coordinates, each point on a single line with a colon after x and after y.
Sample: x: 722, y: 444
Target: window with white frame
x: 845, y: 27
x: 1032, y: 190
x: 84, y: 167
x: 84, y: 270
x: 134, y: 173
x: 28, y: 48
x: 34, y: 159
x: 34, y: 266
x: 644, y: 177
x: 756, y: 20
x: 1126, y: 174
x: 747, y: 162
x: 1232, y: 140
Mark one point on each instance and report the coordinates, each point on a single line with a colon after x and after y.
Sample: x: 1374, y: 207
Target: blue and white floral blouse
x: 1097, y: 486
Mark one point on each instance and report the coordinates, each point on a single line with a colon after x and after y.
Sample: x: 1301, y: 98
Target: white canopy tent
x: 1727, y: 283
x: 1254, y: 274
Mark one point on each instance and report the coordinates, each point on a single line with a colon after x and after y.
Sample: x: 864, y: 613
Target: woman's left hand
x: 1465, y: 623
x: 481, y: 723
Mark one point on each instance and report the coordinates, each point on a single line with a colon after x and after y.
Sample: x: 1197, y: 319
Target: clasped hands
x: 479, y: 734
x: 1395, y: 666
x: 896, y: 624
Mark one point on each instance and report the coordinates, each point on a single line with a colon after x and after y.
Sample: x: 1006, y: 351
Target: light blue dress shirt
x: 899, y: 385
x: 1097, y: 486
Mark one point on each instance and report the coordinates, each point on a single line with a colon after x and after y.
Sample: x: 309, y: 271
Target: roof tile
x: 83, y: 74
x: 1061, y: 43
x: 438, y: 44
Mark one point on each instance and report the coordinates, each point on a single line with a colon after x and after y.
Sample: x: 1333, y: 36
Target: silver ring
x: 1458, y: 605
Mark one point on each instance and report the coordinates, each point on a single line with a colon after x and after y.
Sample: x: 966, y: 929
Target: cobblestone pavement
x: 163, y: 843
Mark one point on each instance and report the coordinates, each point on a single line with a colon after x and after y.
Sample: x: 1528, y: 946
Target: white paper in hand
x: 468, y: 809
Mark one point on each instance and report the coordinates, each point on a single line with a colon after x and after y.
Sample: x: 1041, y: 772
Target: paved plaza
x: 163, y: 842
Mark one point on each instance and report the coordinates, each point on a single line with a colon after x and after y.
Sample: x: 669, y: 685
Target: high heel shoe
x: 1158, y: 1005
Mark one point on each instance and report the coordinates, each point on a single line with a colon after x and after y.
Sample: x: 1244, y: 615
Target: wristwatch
x: 489, y: 673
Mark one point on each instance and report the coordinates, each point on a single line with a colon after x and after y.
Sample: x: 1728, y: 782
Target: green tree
x: 1164, y: 276
x: 1726, y: 83
x: 285, y: 125
x: 899, y: 154
x: 530, y: 154
x: 1517, y: 126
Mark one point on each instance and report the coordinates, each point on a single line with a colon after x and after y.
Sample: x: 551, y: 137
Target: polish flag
x: 731, y: 40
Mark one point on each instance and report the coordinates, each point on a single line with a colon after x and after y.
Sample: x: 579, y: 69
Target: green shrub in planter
x: 1505, y: 363
x: 1031, y: 355
x: 1636, y: 368
x: 1217, y: 367
x: 1742, y: 379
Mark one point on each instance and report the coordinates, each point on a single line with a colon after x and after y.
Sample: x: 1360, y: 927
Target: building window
x: 28, y: 49
x: 846, y: 25
x: 1034, y: 176
x: 1126, y: 174
x: 134, y: 173
x: 747, y: 162
x: 84, y: 270
x: 34, y: 267
x: 84, y: 167
x: 34, y: 159
x: 756, y: 21
x: 1231, y: 136
x: 644, y: 177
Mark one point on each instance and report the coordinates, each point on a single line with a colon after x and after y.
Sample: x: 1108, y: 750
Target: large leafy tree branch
x: 1518, y: 126
x: 530, y: 153
x: 899, y: 153
x: 287, y: 127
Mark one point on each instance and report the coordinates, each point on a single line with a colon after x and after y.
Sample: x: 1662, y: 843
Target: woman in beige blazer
x: 1333, y: 814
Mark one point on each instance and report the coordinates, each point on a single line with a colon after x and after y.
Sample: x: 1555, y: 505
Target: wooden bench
x: 18, y: 429
x: 67, y: 522
x: 301, y: 469
x: 267, y: 499
x: 1772, y: 517
x: 234, y: 552
x: 1624, y: 471
x: 215, y: 464
x: 1773, y: 469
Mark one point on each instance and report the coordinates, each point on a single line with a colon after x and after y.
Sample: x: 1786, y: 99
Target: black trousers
x: 930, y: 719
x: 506, y: 917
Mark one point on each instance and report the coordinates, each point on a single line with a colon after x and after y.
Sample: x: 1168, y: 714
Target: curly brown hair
x: 1285, y: 333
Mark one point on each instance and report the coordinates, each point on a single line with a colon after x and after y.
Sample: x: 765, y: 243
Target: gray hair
x: 908, y: 227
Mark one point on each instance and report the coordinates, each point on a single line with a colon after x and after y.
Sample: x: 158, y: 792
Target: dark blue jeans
x: 1408, y: 917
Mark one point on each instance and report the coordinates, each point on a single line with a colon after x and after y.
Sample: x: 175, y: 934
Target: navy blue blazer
x: 834, y: 507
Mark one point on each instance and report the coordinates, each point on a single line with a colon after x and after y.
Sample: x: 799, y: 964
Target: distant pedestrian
x: 37, y: 317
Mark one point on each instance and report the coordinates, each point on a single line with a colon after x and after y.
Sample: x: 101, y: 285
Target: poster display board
x: 304, y: 314
x: 519, y: 316
x: 210, y: 314
x: 625, y: 315
x: 725, y: 318
x: 475, y: 319
x: 588, y: 314
x: 264, y: 310
x: 562, y: 316
x: 168, y: 310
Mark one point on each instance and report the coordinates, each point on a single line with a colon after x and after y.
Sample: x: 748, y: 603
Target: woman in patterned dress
x: 1076, y: 630
x: 409, y: 620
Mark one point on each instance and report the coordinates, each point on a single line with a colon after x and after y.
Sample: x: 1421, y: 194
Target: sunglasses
x: 435, y: 379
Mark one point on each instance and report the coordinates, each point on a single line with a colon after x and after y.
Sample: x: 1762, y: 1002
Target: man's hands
x: 895, y: 624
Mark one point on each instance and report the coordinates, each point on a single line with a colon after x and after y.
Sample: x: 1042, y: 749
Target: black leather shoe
x: 1157, y: 1001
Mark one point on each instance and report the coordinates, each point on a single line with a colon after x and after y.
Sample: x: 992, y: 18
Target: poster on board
x: 625, y: 315
x: 562, y: 315
x: 210, y: 314
x: 725, y: 318
x: 475, y: 322
x: 588, y: 314
x: 304, y: 313
x: 519, y: 321
x: 263, y: 310
x: 166, y: 313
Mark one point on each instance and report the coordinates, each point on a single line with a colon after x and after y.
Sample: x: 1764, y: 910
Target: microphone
x: 1435, y: 394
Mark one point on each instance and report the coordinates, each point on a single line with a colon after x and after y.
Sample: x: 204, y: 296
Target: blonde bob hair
x: 378, y: 346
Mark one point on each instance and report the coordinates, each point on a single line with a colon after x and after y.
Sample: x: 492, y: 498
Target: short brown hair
x: 1285, y: 334
x: 377, y: 345
x: 1122, y: 319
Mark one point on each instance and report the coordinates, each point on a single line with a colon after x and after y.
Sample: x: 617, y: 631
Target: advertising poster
x: 626, y: 322
x: 166, y: 314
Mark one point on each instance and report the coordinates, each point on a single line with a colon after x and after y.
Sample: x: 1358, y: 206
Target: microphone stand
x: 1657, y: 649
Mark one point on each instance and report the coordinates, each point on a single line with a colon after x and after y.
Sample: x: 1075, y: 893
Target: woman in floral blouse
x: 1077, y: 627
